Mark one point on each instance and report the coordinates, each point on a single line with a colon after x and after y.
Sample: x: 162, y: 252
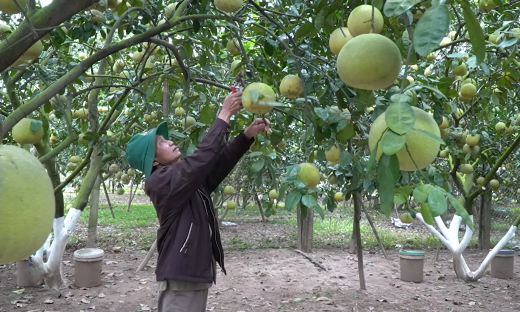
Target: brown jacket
x: 180, y: 194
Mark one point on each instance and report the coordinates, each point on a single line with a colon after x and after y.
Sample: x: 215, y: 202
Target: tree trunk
x: 305, y: 220
x: 484, y: 222
x: 255, y: 195
x: 130, y: 197
x: 93, y: 216
x: 357, y: 230
x: 52, y: 268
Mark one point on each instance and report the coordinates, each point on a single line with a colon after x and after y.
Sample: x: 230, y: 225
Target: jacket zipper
x: 214, y: 223
x: 186, y: 241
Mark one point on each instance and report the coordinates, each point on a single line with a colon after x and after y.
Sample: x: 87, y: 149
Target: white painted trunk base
x: 52, y: 268
x: 449, y: 236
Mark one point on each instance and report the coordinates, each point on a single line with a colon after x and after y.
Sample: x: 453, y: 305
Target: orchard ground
x: 264, y: 271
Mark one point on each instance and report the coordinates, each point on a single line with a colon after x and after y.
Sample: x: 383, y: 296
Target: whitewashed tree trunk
x: 449, y: 236
x: 52, y: 267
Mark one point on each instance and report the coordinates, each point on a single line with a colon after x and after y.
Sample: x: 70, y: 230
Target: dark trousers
x: 183, y: 300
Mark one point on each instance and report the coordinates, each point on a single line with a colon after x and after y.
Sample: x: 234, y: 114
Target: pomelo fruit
x: 332, y: 155
x: 27, y: 204
x: 369, y: 62
x: 257, y: 97
x: 406, y: 217
x: 229, y: 6
x: 273, y: 194
x: 228, y: 190
x: 360, y: 20
x: 233, y: 47
x: 9, y: 7
x: 338, y: 196
x: 188, y: 122
x: 466, y: 169
x: 23, y: 134
x: 33, y: 52
x: 494, y: 184
x: 338, y: 38
x: 291, y: 86
x: 231, y: 205
x: 420, y: 146
x: 309, y: 174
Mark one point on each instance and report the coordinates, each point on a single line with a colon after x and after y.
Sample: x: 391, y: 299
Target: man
x: 188, y: 238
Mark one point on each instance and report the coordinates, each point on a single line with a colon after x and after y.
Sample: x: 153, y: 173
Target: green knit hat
x: 140, y: 150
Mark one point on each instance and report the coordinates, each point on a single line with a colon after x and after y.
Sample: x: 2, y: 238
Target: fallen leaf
x: 85, y: 300
x: 19, y: 291
x: 101, y: 295
x: 298, y: 300
x: 116, y: 249
x: 49, y: 301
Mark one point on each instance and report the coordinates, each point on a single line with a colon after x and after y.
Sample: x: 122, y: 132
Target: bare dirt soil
x: 278, y: 280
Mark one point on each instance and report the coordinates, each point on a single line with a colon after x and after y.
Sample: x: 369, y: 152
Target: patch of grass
x: 140, y: 215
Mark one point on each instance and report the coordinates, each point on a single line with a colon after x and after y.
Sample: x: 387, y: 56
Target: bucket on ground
x: 411, y: 265
x: 88, y: 264
x: 26, y: 274
x: 502, y: 265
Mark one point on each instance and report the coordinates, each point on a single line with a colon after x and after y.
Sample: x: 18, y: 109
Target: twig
x: 316, y: 263
x: 108, y: 200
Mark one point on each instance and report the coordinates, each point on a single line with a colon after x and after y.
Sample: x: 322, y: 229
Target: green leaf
x: 206, y: 115
x: 36, y: 125
x: 398, y: 7
x: 309, y: 201
x: 399, y: 117
x: 19, y: 291
x: 461, y: 211
x: 306, y: 29
x: 476, y: 34
x: 402, y: 194
x: 293, y: 170
x: 372, y: 160
x: 426, y: 214
x: 420, y: 193
x: 292, y: 199
x: 431, y: 136
x: 257, y: 165
x: 386, y: 183
x: 437, y: 201
x: 392, y: 143
x: 431, y: 28
x: 345, y: 158
x: 318, y: 209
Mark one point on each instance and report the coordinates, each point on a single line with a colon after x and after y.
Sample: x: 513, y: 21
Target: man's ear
x: 155, y: 163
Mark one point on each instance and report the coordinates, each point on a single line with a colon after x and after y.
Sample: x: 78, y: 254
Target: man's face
x: 165, y: 152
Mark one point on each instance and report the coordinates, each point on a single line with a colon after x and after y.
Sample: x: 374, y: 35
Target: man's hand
x: 258, y: 126
x: 232, y: 104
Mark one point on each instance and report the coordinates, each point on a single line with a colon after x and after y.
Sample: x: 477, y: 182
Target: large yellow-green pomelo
x: 338, y: 38
x: 26, y: 204
x: 9, y: 7
x: 360, y: 20
x: 309, y: 174
x: 369, y: 62
x: 33, y: 52
x: 291, y: 86
x: 419, y: 145
x: 23, y: 134
x: 257, y: 97
x: 228, y: 5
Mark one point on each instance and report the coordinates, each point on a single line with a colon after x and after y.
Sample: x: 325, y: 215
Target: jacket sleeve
x: 227, y: 159
x: 179, y: 181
